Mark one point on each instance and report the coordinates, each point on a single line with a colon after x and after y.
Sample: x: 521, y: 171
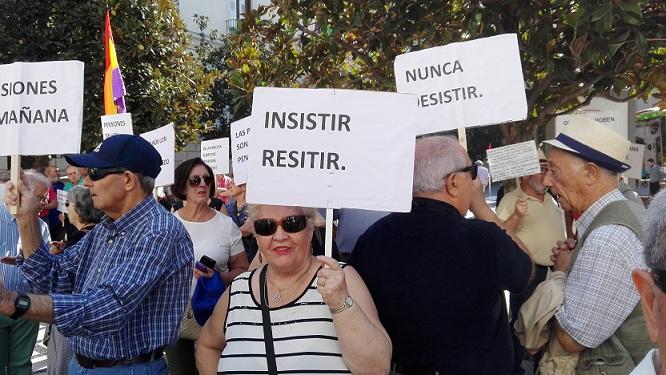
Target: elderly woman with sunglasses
x: 297, y: 312
x: 214, y: 235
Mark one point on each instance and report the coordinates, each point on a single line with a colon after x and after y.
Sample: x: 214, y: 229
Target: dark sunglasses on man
x: 97, y: 174
x: 290, y: 224
x: 472, y: 169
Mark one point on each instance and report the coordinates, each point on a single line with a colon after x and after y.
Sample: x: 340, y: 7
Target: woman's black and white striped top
x: 303, y: 334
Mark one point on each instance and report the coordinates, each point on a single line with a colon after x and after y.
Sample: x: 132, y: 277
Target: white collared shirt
x: 649, y: 365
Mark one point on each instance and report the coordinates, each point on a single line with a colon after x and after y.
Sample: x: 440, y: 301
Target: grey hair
x: 35, y: 178
x: 654, y: 233
x: 434, y: 158
x: 311, y: 213
x: 147, y: 183
x: 83, y: 204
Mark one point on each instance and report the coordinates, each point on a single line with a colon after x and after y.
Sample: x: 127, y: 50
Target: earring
x: 260, y: 259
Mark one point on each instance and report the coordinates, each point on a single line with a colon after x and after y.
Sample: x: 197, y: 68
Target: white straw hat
x: 593, y: 142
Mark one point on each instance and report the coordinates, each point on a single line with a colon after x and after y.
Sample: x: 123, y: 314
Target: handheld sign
x: 41, y: 108
x: 215, y: 153
x: 164, y: 141
x: 120, y: 123
x: 332, y: 148
x: 240, y: 135
x: 517, y: 160
x: 62, y: 200
x: 479, y: 82
x: 635, y: 160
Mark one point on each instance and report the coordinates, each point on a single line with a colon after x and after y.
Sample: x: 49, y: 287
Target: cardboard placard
x: 41, y: 108
x: 516, y: 160
x: 120, y: 123
x: 479, y: 82
x: 215, y: 153
x: 240, y: 146
x: 62, y: 199
x: 332, y: 148
x: 635, y: 159
x: 164, y: 141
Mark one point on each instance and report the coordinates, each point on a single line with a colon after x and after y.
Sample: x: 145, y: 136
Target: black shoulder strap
x: 268, y: 332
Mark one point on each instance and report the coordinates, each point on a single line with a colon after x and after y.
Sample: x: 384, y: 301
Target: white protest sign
x: 120, y: 123
x: 240, y: 134
x: 479, y: 82
x: 62, y: 199
x: 635, y: 160
x: 164, y: 141
x: 215, y: 153
x: 41, y: 108
x: 332, y: 148
x: 611, y: 119
x: 516, y: 160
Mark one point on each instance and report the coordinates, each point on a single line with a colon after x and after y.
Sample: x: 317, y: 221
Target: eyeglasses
x: 290, y: 224
x: 472, y: 169
x: 97, y: 174
x: 43, y: 198
x: 659, y: 277
x: 195, y: 181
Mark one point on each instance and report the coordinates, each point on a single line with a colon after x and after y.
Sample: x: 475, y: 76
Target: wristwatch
x: 349, y: 302
x: 22, y: 305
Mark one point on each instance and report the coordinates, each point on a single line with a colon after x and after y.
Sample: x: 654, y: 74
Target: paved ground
x: 39, y: 353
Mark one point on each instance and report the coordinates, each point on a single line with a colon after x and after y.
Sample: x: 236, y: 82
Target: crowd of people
x: 120, y: 277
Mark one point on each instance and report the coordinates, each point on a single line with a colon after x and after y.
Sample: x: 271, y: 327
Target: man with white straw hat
x: 600, y: 318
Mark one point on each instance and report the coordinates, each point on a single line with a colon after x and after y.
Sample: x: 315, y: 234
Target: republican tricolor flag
x: 114, y: 88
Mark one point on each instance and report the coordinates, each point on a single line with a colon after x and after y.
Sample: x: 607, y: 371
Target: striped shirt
x: 121, y: 290
x: 600, y: 294
x: 303, y: 334
x: 10, y: 244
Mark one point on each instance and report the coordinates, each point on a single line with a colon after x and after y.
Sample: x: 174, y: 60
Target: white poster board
x: 516, y: 160
x: 41, y: 108
x: 479, y: 82
x: 611, y: 119
x: 62, y: 199
x: 164, y: 141
x: 240, y: 143
x: 120, y: 123
x: 215, y: 153
x: 332, y: 148
x: 635, y: 160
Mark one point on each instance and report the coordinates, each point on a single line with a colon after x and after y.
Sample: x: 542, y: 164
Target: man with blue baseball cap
x: 120, y: 292
x: 601, y: 317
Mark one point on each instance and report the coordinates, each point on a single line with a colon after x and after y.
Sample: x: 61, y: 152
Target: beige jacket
x: 533, y: 326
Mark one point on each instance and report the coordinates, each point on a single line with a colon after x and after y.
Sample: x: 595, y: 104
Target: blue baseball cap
x: 122, y: 151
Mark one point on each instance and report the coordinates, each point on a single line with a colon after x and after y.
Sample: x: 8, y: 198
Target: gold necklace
x: 278, y: 296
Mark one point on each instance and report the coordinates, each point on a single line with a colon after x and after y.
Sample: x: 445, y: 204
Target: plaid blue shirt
x: 9, y: 245
x: 121, y: 290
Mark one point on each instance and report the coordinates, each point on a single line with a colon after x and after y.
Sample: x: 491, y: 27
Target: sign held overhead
x: 41, y: 108
x: 164, y: 141
x: 120, y: 123
x: 240, y: 148
x: 331, y: 148
x: 479, y: 82
x: 516, y: 160
x: 215, y: 153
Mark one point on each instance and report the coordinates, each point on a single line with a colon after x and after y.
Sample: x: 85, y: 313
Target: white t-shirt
x: 218, y: 238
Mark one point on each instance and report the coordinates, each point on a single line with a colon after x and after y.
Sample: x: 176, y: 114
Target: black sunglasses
x: 194, y: 181
x: 659, y: 277
x: 290, y: 224
x: 97, y: 174
x: 472, y: 169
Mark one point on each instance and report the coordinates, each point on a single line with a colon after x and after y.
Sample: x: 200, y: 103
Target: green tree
x: 165, y: 82
x: 571, y: 50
